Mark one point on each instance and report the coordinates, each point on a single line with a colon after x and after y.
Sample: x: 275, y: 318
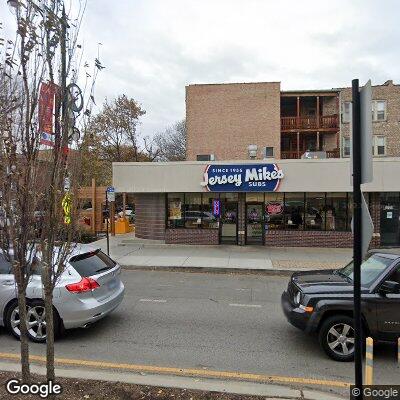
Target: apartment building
x: 223, y: 120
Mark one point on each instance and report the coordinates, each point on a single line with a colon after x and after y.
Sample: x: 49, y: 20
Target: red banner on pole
x: 47, y: 97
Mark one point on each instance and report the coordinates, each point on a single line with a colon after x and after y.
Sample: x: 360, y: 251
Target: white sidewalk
x: 132, y: 252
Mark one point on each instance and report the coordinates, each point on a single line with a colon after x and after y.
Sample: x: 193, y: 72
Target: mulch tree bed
x: 79, y: 389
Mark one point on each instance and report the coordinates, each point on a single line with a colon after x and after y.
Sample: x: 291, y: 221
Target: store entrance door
x: 390, y: 227
x: 229, y: 215
x: 255, y: 223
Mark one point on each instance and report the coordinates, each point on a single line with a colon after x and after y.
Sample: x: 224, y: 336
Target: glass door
x: 254, y: 223
x: 390, y: 229
x: 229, y: 213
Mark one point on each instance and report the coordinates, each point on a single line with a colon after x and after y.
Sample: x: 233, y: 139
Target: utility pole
x: 357, y: 231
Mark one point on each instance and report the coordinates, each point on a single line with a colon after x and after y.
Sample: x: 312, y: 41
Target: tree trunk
x: 48, y: 302
x: 26, y: 374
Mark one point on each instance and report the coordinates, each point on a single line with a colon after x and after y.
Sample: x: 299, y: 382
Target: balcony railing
x: 293, y: 154
x: 309, y: 123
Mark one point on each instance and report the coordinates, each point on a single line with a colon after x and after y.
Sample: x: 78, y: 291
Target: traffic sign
x: 367, y: 226
x: 366, y: 132
x: 110, y: 193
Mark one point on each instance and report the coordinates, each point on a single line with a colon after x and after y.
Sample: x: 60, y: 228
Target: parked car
x: 89, y: 288
x: 322, y: 302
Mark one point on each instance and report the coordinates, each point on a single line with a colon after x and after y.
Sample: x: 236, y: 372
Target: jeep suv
x: 322, y: 302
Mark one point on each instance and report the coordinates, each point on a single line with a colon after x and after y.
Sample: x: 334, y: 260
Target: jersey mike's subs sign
x: 242, y: 178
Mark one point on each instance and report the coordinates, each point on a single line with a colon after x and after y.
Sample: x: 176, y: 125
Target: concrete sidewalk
x: 138, y: 253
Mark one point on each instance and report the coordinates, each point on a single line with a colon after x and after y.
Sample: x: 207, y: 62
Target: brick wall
x: 329, y: 105
x: 150, y: 216
x: 280, y: 238
x: 389, y: 128
x: 192, y: 236
x: 224, y: 119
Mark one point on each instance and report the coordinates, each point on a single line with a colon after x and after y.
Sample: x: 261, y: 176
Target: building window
x: 208, y: 219
x: 346, y: 112
x: 193, y: 211
x: 274, y: 211
x: 269, y: 152
x: 378, y: 110
x: 314, y: 217
x: 337, y: 211
x: 205, y: 157
x: 379, y: 146
x: 294, y: 211
x: 346, y: 146
x: 175, y: 204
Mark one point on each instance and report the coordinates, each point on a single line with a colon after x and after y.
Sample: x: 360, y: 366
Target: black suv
x: 322, y: 301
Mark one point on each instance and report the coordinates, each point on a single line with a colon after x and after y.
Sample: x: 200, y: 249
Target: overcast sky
x: 153, y: 48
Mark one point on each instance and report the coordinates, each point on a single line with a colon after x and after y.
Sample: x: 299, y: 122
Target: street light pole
x: 63, y: 47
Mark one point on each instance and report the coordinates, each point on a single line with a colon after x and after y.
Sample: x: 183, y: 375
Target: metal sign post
x: 362, y: 223
x: 110, y: 197
x: 107, y: 236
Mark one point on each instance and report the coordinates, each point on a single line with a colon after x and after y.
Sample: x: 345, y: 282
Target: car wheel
x: 36, y: 321
x: 336, y: 337
x: 11, y: 320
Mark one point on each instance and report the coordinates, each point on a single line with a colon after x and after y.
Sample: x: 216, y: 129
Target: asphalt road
x: 211, y: 321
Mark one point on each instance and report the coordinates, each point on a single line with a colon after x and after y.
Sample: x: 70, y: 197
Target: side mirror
x: 390, y: 287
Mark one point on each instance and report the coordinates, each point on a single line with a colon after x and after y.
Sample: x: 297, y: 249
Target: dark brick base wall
x: 191, y: 236
x: 150, y: 216
x: 308, y: 239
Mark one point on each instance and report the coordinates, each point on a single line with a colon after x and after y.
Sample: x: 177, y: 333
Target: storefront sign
x: 216, y: 208
x: 175, y: 210
x: 274, y: 208
x: 242, y: 178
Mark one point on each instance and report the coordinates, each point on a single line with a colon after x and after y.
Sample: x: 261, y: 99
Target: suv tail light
x: 84, y: 285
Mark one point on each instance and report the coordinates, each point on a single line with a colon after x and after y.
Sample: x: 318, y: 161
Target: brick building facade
x: 268, y: 167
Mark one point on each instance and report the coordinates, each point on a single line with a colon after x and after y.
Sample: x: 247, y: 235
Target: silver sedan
x: 89, y: 288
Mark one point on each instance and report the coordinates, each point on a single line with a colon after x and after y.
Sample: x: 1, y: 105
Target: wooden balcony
x: 323, y: 123
x: 293, y: 154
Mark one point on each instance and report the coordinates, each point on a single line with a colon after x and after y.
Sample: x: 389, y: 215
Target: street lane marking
x: 182, y: 371
x: 153, y: 300
x: 245, y: 305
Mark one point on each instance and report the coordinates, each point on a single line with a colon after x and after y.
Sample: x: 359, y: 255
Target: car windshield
x: 92, y: 263
x: 371, y: 268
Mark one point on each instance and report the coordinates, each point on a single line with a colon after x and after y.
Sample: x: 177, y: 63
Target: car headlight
x: 297, y: 298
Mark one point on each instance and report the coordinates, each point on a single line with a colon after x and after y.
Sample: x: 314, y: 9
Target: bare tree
x: 33, y: 177
x: 171, y: 144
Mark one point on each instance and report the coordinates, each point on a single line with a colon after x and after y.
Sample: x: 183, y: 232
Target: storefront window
x: 274, y: 211
x: 314, y: 218
x: 336, y: 212
x: 294, y: 210
x: 211, y: 210
x: 254, y: 197
x: 349, y: 210
x: 193, y: 212
x: 175, y: 210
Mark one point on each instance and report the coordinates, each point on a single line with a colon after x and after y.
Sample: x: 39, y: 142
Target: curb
x: 214, y: 270
x: 269, y: 391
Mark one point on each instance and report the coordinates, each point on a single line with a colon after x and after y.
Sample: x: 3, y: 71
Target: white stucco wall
x: 330, y: 175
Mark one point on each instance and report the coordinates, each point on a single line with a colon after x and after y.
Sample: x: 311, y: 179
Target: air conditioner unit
x: 205, y: 157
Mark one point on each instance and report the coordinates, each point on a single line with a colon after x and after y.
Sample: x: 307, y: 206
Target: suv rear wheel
x: 336, y: 337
